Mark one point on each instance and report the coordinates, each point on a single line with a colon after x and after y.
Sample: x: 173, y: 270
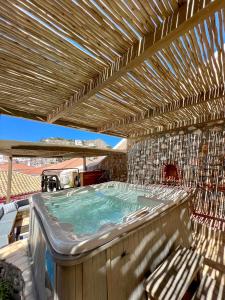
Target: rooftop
x: 22, y: 184
x: 18, y: 167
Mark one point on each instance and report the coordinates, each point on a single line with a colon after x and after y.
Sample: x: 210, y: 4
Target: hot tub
x: 73, y: 230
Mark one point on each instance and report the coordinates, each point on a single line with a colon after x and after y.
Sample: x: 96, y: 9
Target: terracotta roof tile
x: 21, y: 184
x: 71, y: 163
x: 15, y: 167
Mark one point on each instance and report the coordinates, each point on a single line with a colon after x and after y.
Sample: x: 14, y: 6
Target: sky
x: 12, y: 128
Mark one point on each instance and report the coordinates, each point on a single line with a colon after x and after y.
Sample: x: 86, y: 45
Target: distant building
x: 98, y: 143
x: 3, y: 158
x: 37, y: 161
x: 78, y: 142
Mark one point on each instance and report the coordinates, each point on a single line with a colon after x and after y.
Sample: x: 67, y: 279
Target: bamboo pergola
x: 126, y: 68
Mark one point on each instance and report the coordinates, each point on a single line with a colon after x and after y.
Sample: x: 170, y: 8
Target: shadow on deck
x: 17, y: 254
x: 208, y: 242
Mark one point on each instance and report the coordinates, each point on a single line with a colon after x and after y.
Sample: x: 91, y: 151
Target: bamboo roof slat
x: 179, y: 16
x: 171, y: 107
x: 119, y: 67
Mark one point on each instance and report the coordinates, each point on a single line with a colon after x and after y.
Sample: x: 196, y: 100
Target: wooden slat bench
x: 173, y: 277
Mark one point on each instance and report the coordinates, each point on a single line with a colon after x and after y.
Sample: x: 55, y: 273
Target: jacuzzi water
x: 89, y: 211
x: 79, y: 220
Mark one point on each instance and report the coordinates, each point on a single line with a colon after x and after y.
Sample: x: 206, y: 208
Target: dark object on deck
x: 11, y: 281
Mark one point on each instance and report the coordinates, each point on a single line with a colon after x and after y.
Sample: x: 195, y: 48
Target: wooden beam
x: 41, y: 118
x: 44, y: 154
x: 52, y: 148
x: 188, y: 15
x: 84, y: 164
x: 171, y: 107
x: 9, y: 182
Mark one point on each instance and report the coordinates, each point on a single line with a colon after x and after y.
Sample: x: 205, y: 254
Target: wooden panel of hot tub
x: 117, y: 269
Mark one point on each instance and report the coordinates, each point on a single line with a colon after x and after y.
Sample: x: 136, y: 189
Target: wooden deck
x: 171, y: 280
x: 17, y: 254
x: 211, y: 244
x: 207, y: 242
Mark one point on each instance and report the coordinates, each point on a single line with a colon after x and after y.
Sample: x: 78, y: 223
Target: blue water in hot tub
x: 89, y: 211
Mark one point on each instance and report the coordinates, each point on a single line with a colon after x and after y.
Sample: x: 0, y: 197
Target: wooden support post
x: 84, y: 164
x: 9, y: 183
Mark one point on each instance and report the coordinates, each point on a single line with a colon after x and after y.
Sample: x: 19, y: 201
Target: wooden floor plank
x: 173, y: 277
x: 210, y: 289
x: 211, y: 244
x: 17, y: 254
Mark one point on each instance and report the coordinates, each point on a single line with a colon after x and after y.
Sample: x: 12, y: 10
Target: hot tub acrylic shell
x: 114, y: 266
x: 61, y: 236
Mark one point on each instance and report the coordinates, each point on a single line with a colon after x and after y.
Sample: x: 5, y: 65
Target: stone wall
x: 147, y: 158
x: 116, y: 165
x: 199, y: 157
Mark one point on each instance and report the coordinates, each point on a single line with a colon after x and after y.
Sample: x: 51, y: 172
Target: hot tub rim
x: 51, y: 238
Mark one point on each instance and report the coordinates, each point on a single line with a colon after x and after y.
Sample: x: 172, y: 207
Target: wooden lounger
x: 173, y: 277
